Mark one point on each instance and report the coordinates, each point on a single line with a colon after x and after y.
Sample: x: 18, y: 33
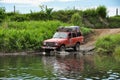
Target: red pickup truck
x: 65, y: 37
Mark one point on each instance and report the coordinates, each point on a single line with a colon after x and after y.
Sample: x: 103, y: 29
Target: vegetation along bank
x: 28, y: 35
x: 109, y: 44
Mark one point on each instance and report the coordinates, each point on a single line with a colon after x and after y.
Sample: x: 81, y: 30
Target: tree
x: 101, y: 11
x: 48, y: 11
x: 76, y: 19
x: 2, y: 14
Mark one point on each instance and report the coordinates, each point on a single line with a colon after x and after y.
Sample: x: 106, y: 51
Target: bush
x: 19, y: 18
x: 76, y: 19
x: 85, y: 31
x: 114, y: 22
x: 63, y: 15
x: 101, y: 11
x: 89, y: 13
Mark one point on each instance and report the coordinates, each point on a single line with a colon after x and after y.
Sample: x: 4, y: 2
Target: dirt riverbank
x: 96, y: 33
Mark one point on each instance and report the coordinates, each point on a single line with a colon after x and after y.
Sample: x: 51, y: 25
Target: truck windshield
x: 60, y: 35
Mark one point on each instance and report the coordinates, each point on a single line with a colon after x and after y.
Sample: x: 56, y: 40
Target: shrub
x: 101, y: 11
x: 85, y: 30
x: 76, y: 19
x: 19, y: 18
x: 89, y: 12
x: 114, y: 22
x: 63, y: 15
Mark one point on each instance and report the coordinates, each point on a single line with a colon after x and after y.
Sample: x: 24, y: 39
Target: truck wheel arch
x: 61, y: 47
x: 77, y: 46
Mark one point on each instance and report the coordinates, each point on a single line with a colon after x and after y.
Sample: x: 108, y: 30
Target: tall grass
x: 116, y: 53
x: 21, y: 36
x: 107, y: 44
x: 28, y: 35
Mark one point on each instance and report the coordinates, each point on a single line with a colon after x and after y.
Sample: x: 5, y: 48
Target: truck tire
x: 77, y: 47
x: 62, y: 48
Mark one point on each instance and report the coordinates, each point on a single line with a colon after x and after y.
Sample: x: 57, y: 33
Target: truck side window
x: 74, y: 35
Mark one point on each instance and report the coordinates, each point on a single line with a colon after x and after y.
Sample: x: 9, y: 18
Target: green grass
x: 23, y: 36
x: 28, y: 35
x: 107, y: 44
x: 116, y: 53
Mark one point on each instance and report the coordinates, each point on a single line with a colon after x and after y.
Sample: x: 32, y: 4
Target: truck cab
x: 65, y: 37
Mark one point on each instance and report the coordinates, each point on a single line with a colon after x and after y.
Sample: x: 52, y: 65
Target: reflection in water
x: 58, y: 67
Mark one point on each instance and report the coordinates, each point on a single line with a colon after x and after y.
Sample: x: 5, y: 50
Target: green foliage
x: 64, y: 15
x: 114, y: 22
x: 101, y: 11
x: 19, y: 18
x: 94, y: 18
x: 107, y: 44
x: 22, y: 36
x: 85, y: 30
x: 2, y: 14
x: 76, y: 19
x: 48, y: 12
x: 28, y: 35
x: 37, y: 16
x: 90, y: 12
x: 44, y: 14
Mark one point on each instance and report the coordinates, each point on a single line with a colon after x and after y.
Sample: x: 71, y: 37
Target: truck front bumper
x: 49, y: 48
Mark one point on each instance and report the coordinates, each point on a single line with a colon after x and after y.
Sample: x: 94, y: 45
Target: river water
x: 59, y: 67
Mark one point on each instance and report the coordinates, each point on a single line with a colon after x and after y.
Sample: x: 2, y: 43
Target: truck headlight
x: 44, y: 43
x: 56, y: 44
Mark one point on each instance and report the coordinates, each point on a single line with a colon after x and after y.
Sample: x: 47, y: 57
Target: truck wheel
x: 77, y: 47
x: 62, y: 48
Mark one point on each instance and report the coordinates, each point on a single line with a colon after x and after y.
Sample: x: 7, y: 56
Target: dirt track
x: 96, y: 33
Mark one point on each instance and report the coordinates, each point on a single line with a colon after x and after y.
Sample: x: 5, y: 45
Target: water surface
x: 60, y: 67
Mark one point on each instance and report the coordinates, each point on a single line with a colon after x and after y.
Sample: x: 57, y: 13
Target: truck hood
x: 54, y: 40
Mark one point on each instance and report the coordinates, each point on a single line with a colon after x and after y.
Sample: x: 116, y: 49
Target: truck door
x: 69, y: 39
x: 72, y: 39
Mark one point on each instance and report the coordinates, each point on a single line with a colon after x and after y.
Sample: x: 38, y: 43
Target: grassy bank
x: 28, y: 35
x: 108, y: 44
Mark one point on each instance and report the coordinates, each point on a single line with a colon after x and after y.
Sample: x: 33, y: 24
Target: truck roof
x: 69, y: 29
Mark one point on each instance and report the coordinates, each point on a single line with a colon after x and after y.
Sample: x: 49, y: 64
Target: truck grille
x: 50, y: 44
